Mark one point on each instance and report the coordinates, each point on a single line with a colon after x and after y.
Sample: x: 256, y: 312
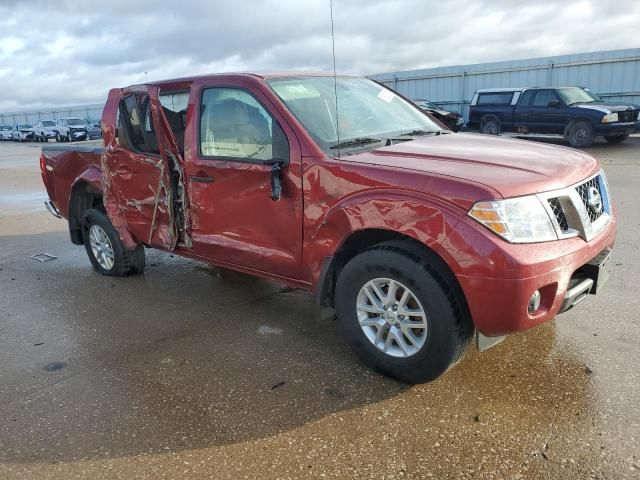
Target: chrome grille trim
x: 575, y: 218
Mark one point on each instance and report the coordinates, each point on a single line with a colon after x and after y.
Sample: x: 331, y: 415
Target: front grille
x: 583, y: 191
x: 556, y: 208
x: 582, y: 210
x: 628, y: 116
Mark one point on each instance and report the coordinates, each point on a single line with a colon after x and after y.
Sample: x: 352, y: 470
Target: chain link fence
x: 91, y: 113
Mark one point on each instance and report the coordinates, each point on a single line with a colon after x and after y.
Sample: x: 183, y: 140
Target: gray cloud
x: 55, y: 53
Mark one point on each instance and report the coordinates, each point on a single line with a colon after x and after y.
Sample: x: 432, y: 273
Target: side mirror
x: 553, y: 103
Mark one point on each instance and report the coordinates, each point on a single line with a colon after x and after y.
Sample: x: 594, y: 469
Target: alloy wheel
x: 391, y: 317
x: 101, y: 247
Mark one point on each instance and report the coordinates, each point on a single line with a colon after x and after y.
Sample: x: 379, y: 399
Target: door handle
x: 201, y: 178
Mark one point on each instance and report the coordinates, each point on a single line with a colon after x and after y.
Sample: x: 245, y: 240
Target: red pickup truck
x: 418, y: 237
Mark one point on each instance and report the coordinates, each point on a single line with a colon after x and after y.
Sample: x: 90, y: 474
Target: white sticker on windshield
x: 386, y: 95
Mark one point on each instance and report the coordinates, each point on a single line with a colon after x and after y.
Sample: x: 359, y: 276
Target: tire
x: 447, y: 321
x: 490, y: 127
x: 122, y: 261
x: 581, y: 134
x: 58, y: 139
x: 613, y: 139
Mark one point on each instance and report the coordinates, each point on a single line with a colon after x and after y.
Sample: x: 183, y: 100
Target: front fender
x: 419, y: 216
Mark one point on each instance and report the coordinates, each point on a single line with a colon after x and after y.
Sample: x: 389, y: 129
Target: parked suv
x: 43, y: 130
x: 573, y: 112
x: 71, y: 129
x: 22, y: 133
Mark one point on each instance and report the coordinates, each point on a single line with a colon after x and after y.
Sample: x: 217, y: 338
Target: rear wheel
x: 401, y: 314
x: 581, y: 134
x: 490, y: 127
x: 616, y: 138
x: 106, y: 252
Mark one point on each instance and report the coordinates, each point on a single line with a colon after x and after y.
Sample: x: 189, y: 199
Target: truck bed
x: 84, y: 148
x: 64, y: 166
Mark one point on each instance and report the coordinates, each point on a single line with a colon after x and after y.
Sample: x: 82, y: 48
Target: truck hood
x: 607, y: 107
x: 511, y: 167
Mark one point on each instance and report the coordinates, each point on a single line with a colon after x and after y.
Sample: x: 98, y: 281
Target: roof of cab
x: 262, y: 75
x: 515, y: 89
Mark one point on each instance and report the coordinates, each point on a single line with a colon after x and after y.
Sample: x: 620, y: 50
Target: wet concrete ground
x: 195, y: 372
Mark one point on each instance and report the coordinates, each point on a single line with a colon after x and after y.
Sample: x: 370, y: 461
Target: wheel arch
x: 86, y: 193
x: 362, y: 240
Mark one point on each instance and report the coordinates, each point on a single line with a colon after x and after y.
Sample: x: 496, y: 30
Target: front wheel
x: 616, y: 138
x: 581, y: 134
x: 106, y: 252
x: 490, y: 127
x: 401, y: 313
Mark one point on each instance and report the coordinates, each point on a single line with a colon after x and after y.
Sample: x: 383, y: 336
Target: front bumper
x: 617, y: 128
x: 79, y: 134
x: 499, y: 306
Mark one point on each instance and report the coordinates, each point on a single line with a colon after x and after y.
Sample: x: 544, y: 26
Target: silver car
x: 5, y: 133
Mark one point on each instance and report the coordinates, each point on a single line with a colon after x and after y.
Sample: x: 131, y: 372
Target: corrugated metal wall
x: 614, y: 75
x: 88, y: 112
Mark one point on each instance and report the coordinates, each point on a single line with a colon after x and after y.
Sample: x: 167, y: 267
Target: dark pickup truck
x: 573, y: 112
x: 416, y: 236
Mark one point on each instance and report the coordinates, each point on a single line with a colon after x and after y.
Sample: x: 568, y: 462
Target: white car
x: 43, y: 130
x: 71, y: 129
x: 5, y: 133
x: 22, y: 133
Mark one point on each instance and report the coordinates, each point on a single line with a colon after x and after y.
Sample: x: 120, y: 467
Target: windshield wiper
x: 355, y: 142
x: 418, y: 133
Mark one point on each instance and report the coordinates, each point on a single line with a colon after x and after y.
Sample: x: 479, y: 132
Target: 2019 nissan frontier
x: 418, y: 237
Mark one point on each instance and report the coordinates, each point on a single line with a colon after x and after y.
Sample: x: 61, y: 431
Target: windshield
x: 23, y: 126
x: 75, y: 121
x: 48, y: 123
x: 577, y: 95
x: 367, y: 111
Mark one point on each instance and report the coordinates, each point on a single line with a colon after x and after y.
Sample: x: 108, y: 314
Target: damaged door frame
x: 171, y: 172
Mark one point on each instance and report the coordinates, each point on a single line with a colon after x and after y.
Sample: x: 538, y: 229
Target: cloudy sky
x: 65, y: 52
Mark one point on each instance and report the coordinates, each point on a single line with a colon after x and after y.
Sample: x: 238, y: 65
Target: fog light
x: 534, y: 302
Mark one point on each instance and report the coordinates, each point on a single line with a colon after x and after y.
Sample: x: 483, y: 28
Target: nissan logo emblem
x: 594, y: 200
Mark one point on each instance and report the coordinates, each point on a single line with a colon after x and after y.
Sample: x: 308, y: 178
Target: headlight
x: 517, y: 220
x: 610, y: 117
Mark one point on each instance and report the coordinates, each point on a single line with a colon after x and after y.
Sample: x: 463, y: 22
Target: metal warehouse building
x: 614, y: 75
